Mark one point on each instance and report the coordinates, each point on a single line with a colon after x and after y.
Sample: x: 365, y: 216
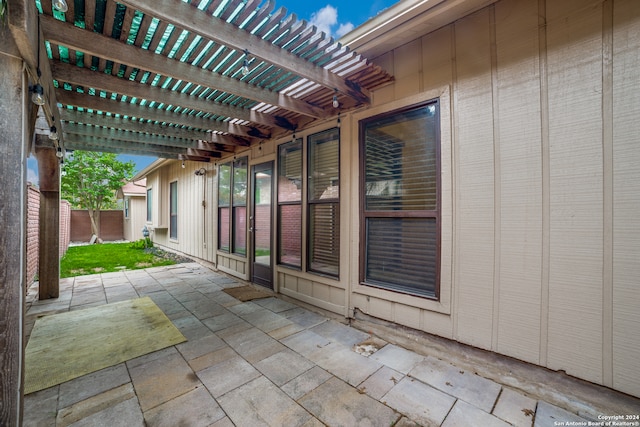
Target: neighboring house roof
x: 137, y: 188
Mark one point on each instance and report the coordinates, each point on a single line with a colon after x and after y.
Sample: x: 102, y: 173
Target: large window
x: 173, y: 210
x: 290, y: 204
x: 400, y: 232
x: 232, y: 207
x: 323, y: 196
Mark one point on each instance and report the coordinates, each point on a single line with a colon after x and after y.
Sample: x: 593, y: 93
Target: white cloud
x: 32, y: 170
x: 327, y: 18
x: 344, y: 29
x: 32, y: 176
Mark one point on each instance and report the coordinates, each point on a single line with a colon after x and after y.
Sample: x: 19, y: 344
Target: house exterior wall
x: 540, y: 188
x: 137, y: 217
x: 196, y: 209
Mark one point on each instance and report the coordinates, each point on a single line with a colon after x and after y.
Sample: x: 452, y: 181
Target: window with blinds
x: 323, y: 205
x: 173, y: 210
x: 290, y: 204
x: 400, y: 154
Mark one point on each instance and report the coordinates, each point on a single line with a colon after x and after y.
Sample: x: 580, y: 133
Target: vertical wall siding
x: 196, y: 224
x: 475, y: 182
x: 544, y: 194
x: 574, y: 54
x: 517, y: 314
x: 626, y: 196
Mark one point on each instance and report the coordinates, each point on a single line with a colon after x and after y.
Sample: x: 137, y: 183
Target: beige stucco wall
x: 540, y: 188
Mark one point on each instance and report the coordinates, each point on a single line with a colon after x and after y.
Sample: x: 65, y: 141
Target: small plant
x: 142, y: 244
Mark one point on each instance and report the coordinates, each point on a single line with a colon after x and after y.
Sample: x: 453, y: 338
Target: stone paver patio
x: 266, y: 362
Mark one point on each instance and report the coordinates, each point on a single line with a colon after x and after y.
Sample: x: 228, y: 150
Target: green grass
x: 105, y: 258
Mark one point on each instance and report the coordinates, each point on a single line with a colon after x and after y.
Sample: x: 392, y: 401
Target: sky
x: 329, y: 16
x: 335, y: 18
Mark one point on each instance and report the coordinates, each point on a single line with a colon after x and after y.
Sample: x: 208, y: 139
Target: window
x: 290, y: 203
x: 149, y: 204
x: 239, y: 201
x: 173, y: 210
x: 400, y: 232
x: 232, y: 207
x: 224, y: 202
x: 126, y: 207
x: 323, y: 197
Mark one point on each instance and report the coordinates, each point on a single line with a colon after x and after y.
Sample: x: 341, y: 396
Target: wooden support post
x: 49, y: 236
x: 14, y: 97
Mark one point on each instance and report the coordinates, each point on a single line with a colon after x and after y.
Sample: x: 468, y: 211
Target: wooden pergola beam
x: 162, y: 116
x: 93, y: 79
x: 92, y: 143
x: 27, y: 34
x: 188, y: 17
x: 122, y: 124
x: 101, y: 46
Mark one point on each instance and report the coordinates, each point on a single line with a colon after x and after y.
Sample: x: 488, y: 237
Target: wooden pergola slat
x: 132, y: 110
x: 184, y: 15
x: 105, y: 47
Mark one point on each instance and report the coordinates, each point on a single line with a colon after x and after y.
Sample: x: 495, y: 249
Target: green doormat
x: 69, y: 345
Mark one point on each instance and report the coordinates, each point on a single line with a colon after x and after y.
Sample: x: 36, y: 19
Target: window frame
x: 403, y: 214
x: 231, y: 207
x: 173, y: 196
x: 299, y: 202
x: 149, y: 200
x: 311, y: 201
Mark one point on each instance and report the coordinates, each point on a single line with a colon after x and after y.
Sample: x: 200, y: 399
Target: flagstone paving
x: 267, y: 362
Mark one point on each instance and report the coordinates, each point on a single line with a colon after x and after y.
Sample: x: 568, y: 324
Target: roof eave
x: 406, y: 21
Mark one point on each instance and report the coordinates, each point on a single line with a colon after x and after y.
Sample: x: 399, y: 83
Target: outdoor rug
x: 68, y: 345
x: 247, y: 293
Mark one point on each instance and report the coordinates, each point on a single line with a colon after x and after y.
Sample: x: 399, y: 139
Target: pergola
x: 191, y: 80
x: 183, y: 79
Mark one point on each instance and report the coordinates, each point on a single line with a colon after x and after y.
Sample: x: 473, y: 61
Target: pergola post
x: 49, y: 233
x: 14, y: 119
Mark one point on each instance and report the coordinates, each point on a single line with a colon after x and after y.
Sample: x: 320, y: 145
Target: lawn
x: 107, y: 257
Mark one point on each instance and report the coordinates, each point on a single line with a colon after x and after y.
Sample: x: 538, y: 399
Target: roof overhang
x: 405, y: 21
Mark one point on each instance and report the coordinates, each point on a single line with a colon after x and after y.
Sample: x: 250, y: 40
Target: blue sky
x: 332, y: 18
x: 335, y: 18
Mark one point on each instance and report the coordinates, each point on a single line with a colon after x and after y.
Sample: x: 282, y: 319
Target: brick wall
x: 33, y: 225
x: 65, y: 226
x: 111, y: 225
x: 33, y: 231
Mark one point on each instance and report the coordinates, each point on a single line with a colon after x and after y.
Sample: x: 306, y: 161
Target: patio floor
x: 270, y: 362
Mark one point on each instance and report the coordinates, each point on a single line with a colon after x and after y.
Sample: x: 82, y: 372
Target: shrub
x: 142, y: 244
